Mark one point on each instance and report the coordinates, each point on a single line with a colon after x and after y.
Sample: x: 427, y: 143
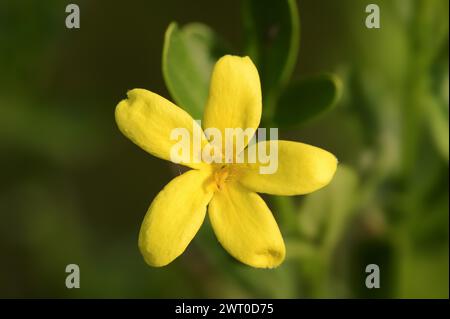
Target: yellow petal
x: 234, y: 99
x: 174, y: 218
x: 245, y: 227
x: 149, y: 119
x: 302, y: 169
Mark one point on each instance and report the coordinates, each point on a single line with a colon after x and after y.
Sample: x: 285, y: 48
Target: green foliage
x: 272, y: 41
x: 437, y: 120
x: 188, y: 58
x: 305, y: 99
x: 323, y: 216
x: 273, y: 38
x: 322, y: 222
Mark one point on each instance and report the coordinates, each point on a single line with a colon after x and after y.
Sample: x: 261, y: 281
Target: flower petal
x: 234, y: 99
x: 302, y: 169
x: 174, y: 217
x: 149, y: 119
x: 245, y: 227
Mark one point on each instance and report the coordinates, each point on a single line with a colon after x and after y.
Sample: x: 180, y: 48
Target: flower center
x: 222, y: 175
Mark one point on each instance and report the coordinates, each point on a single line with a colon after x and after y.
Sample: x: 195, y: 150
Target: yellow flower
x: 241, y: 220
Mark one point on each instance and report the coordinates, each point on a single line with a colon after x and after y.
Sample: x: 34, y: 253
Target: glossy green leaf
x: 307, y: 98
x: 189, y: 55
x: 273, y: 36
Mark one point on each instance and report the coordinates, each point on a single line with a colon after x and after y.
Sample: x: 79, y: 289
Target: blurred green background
x: 74, y: 190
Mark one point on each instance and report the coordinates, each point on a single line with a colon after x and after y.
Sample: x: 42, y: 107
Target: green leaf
x: 431, y: 19
x: 324, y: 214
x: 189, y: 55
x: 435, y: 104
x: 273, y: 36
x: 307, y: 98
x: 437, y: 116
x: 323, y: 219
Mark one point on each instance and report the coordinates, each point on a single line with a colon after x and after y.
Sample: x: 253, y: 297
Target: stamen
x: 222, y: 175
